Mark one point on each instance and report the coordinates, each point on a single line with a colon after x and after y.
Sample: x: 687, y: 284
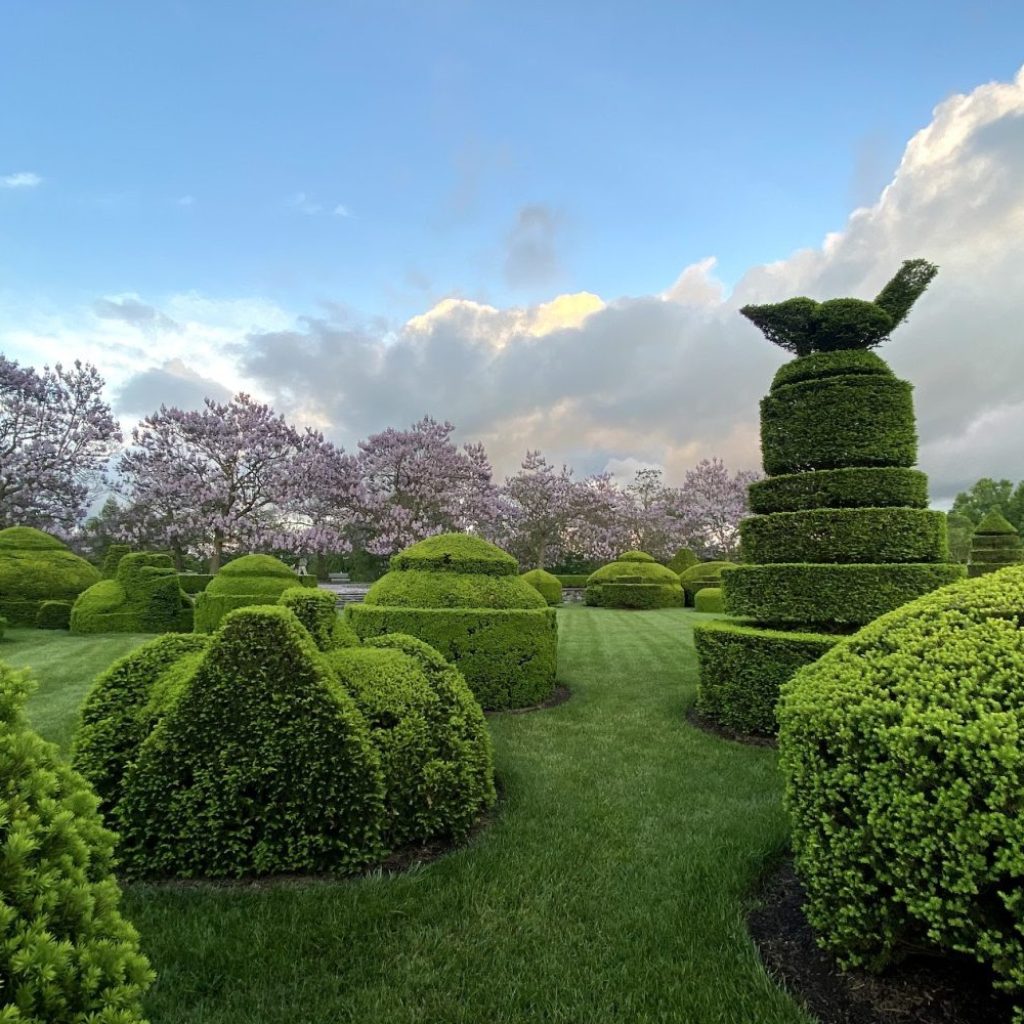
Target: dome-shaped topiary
x: 252, y: 752
x: 702, y: 575
x: 995, y: 544
x: 35, y: 567
x: 463, y: 596
x: 546, y: 584
x: 67, y: 953
x: 634, y: 580
x: 904, y: 772
x: 246, y: 581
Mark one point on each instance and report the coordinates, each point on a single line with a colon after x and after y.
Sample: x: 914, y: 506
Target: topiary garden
x: 464, y: 597
x: 995, y: 544
x: 246, y: 581
x: 634, y: 580
x: 837, y: 427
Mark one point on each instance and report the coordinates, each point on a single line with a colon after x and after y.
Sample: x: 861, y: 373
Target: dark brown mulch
x: 560, y: 696
x: 919, y: 991
x: 698, y: 721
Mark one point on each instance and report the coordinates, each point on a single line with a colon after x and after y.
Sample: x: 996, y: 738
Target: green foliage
x: 710, y: 599
x: 704, y: 574
x: 994, y: 545
x: 995, y: 523
x: 68, y: 955
x: 830, y: 364
x: 54, y: 615
x: 144, y: 597
x: 193, y: 583
x: 456, y: 552
x: 960, y: 531
x: 572, y: 579
x: 508, y: 656
x: 111, y: 560
x: 635, y: 556
x: 415, y: 589
x: 546, y: 584
x: 317, y: 610
x: 742, y: 668
x: 634, y: 580
x: 3, y: 626
x: 846, y: 535
x: 853, y: 487
x: 242, y: 583
x: 845, y: 595
x: 35, y: 567
x: 904, y: 768
x: 853, y: 420
x: 988, y: 494
x: 908, y: 285
x: 682, y: 560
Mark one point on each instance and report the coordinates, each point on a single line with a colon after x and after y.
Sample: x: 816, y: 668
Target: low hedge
x: 853, y: 487
x: 698, y: 577
x: 247, y: 581
x: 742, y: 668
x: 545, y: 584
x: 710, y: 599
x: 847, y: 595
x: 144, y: 597
x: 876, y: 535
x: 573, y: 580
x: 35, y: 567
x: 54, y: 615
x: 904, y: 768
x: 639, y: 595
x: 835, y: 422
x: 193, y: 583
x: 508, y: 656
x: 67, y: 953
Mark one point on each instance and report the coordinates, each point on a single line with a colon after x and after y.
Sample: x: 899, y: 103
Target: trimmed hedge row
x: 508, y: 655
x: 637, y: 594
x: 710, y: 600
x: 546, y: 584
x: 852, y: 487
x: 835, y: 422
x: 845, y: 595
x: 843, y: 535
x: 904, y: 770
x: 742, y: 668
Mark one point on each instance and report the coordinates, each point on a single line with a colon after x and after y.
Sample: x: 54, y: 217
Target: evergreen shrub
x: 317, y: 610
x: 710, y: 600
x: 852, y: 487
x: 634, y: 580
x: 700, y: 576
x: 995, y: 544
x: 246, y: 581
x: 54, y: 615
x: 904, y: 768
x: 67, y: 954
x: 193, y: 583
x: 546, y: 584
x: 682, y: 560
x: 112, y: 559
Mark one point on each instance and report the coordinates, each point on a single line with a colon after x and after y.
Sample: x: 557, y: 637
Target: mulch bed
x: 918, y: 991
x: 698, y: 721
x: 560, y: 696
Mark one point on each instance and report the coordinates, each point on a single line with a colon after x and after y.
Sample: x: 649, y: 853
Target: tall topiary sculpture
x: 842, y: 533
x: 634, y: 580
x: 464, y: 597
x: 143, y: 597
x: 249, y: 580
x: 35, y: 568
x: 994, y: 545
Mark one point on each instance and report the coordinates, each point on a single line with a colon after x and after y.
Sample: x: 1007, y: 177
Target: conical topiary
x: 843, y: 533
x: 994, y: 545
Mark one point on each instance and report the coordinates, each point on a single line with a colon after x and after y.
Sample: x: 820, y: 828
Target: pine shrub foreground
x: 904, y: 763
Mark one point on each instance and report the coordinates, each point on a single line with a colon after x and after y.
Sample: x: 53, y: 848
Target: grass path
x: 610, y: 887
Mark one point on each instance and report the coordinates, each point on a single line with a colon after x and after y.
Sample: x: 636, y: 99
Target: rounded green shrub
x: 143, y: 597
x: 465, y: 597
x: 994, y: 545
x: 547, y: 585
x: 704, y: 574
x: 67, y: 953
x: 317, y: 610
x: 835, y: 535
x: 249, y: 580
x: 54, y: 615
x: 682, y: 560
x: 904, y: 768
x: 35, y: 567
x: 634, y: 580
x: 852, y: 487
x: 709, y: 599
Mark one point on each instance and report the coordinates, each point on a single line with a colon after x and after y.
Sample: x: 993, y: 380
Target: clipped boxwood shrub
x: 112, y: 559
x: 852, y: 487
x: 54, y: 615
x: 246, y: 581
x: 700, y: 576
x: 846, y: 535
x: 709, y: 599
x: 904, y: 768
x: 833, y: 422
x: 144, y: 597
x: 742, y: 668
x: 68, y: 954
x: 35, y: 567
x: 465, y: 597
x: 193, y: 583
x: 994, y: 545
x: 846, y: 595
x: 545, y: 584
x: 317, y: 610
x: 682, y: 560
x: 634, y: 580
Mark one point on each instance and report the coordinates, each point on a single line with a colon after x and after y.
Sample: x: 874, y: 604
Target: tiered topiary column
x: 842, y: 533
x: 995, y: 545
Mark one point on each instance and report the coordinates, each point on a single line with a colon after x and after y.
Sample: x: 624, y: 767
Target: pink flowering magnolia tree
x: 56, y: 436
x: 712, y: 501
x: 537, y: 510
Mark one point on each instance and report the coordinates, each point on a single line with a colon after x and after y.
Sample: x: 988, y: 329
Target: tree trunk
x: 218, y: 550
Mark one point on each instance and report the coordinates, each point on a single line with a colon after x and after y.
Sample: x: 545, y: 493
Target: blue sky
x: 205, y: 146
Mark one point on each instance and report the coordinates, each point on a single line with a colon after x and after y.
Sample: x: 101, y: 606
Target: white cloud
x: 21, y: 179
x: 186, y: 200
x: 341, y: 211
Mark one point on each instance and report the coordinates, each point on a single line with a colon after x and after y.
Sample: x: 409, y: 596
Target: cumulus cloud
x: 173, y: 383
x: 20, y: 179
x: 531, y: 247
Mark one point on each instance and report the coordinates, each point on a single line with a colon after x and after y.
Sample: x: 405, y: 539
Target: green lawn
x: 610, y: 888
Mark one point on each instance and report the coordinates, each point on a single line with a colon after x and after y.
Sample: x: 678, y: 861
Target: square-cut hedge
x: 508, y: 655
x: 742, y: 668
